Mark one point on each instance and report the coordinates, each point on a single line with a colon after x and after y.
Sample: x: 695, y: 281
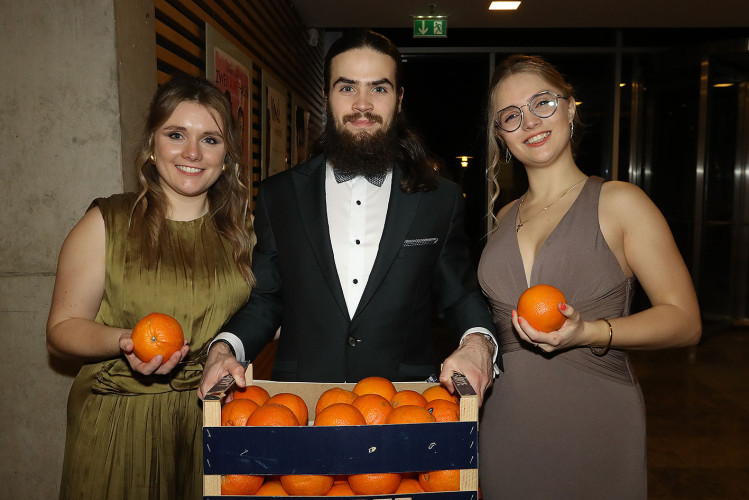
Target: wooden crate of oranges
x: 372, y: 440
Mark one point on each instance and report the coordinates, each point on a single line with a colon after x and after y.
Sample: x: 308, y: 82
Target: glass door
x: 724, y: 252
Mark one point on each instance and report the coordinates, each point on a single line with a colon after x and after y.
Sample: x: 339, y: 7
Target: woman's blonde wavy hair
x: 518, y: 63
x: 228, y: 197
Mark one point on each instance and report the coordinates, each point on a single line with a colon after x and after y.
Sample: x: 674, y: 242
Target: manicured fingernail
x: 563, y: 307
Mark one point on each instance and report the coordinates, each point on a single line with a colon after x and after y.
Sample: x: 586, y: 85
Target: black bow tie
x: 375, y: 179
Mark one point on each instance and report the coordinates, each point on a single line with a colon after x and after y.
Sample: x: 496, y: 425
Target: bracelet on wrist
x: 598, y: 350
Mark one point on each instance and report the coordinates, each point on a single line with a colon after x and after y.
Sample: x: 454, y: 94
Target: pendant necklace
x: 524, y: 222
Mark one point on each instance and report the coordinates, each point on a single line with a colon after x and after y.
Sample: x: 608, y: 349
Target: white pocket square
x: 420, y: 242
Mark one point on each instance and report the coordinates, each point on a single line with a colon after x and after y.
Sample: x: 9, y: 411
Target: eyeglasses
x: 543, y: 105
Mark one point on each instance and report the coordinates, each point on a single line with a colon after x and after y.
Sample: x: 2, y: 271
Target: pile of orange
x: 372, y: 401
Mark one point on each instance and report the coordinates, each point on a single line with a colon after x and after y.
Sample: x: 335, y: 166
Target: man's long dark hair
x: 419, y: 172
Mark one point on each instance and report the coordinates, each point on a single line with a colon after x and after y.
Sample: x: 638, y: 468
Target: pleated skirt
x: 145, y: 446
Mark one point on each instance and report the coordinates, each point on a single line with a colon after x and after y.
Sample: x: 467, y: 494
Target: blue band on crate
x: 340, y: 450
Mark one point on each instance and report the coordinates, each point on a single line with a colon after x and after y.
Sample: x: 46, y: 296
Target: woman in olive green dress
x: 180, y: 247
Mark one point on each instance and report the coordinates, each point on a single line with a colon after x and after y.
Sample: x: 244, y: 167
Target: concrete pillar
x: 76, y: 77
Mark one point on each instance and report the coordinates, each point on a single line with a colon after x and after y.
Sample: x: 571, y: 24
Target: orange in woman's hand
x: 155, y: 334
x: 538, y: 305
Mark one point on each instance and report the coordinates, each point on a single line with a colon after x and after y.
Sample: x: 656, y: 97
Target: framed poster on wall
x: 274, y: 153
x: 300, y: 145
x: 230, y: 70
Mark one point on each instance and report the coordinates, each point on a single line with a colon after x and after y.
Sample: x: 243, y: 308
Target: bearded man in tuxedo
x: 354, y: 245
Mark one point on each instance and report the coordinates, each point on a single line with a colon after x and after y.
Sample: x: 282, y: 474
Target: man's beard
x: 360, y: 153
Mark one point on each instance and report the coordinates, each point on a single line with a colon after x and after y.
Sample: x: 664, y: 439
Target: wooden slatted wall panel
x: 268, y: 31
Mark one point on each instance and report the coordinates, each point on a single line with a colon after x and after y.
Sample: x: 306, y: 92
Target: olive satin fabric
x: 135, y: 436
x: 568, y: 424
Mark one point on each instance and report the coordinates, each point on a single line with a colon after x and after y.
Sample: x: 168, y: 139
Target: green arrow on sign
x: 430, y: 26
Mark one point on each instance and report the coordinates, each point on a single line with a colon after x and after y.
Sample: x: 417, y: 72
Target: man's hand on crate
x: 474, y: 360
x: 220, y: 362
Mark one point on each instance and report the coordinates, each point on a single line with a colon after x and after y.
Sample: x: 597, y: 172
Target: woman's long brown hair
x: 228, y: 197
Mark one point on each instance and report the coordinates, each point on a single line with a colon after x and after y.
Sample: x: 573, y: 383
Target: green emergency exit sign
x: 430, y: 26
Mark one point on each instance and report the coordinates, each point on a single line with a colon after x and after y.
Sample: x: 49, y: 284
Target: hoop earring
x: 508, y: 155
x: 223, y: 168
x: 572, y: 129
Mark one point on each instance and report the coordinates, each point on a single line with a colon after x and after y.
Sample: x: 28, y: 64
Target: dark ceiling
x: 531, y: 14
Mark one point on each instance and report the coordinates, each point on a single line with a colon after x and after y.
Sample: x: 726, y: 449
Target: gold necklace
x: 524, y: 222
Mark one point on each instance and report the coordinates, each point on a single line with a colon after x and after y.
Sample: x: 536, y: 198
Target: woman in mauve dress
x: 566, y: 419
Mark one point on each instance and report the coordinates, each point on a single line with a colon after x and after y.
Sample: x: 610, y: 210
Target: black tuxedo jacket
x: 423, y: 250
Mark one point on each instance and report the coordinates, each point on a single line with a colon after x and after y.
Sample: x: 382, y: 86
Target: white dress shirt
x: 356, y: 218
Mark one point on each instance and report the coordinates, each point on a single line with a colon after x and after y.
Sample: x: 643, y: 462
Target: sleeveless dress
x: 135, y: 436
x: 565, y: 425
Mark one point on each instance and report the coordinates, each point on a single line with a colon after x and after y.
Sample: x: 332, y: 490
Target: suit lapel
x: 309, y: 185
x: 401, y: 212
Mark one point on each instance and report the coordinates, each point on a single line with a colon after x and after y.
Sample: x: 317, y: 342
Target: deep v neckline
x: 529, y: 278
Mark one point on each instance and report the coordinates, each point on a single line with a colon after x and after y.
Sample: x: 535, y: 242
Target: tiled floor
x: 697, y: 402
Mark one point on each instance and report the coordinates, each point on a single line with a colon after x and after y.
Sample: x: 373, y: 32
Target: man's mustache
x: 367, y: 115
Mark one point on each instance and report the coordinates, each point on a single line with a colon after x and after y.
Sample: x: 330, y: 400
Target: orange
x: 375, y: 385
x: 374, y: 484
x: 307, y: 484
x: 334, y: 395
x: 294, y: 403
x: 240, y: 484
x: 340, y: 414
x: 538, y: 305
x: 409, y: 414
x: 237, y: 411
x: 340, y: 490
x: 407, y: 397
x: 444, y: 411
x: 438, y: 392
x: 440, y: 480
x: 252, y: 392
x: 155, y: 334
x: 271, y: 488
x: 374, y: 407
x: 409, y: 485
x: 271, y: 414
